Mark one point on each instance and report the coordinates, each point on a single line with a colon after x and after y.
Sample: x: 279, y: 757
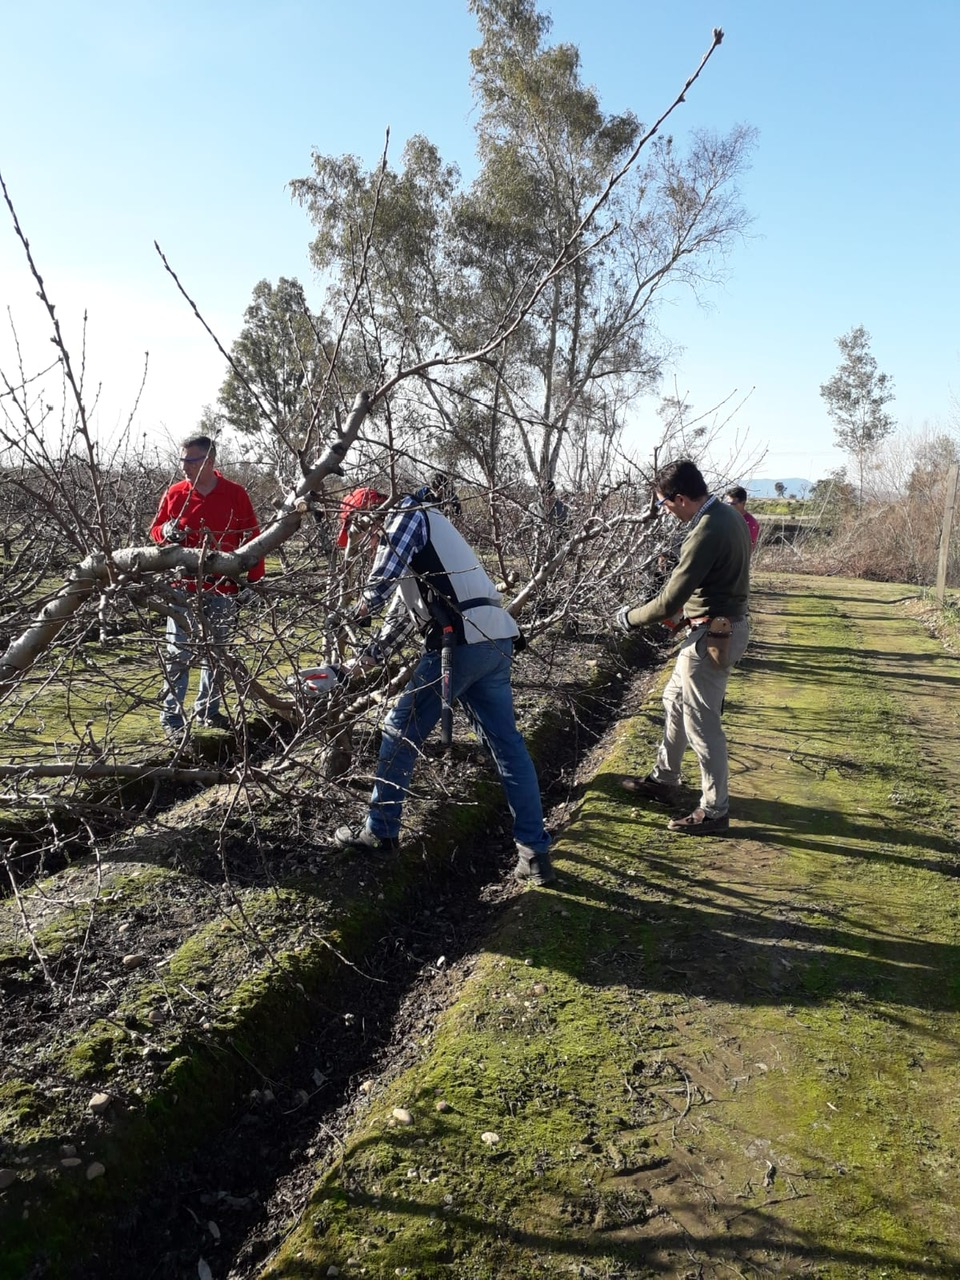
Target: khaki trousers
x: 692, y: 703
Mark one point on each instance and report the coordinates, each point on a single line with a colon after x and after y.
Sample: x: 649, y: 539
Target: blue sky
x: 182, y: 122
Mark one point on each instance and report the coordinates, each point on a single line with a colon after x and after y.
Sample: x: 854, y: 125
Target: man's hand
x: 622, y: 618
x: 371, y: 656
x: 172, y: 532
x: 362, y: 662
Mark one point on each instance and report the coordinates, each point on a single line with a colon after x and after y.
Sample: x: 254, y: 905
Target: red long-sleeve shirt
x: 224, y: 519
x: 753, y: 524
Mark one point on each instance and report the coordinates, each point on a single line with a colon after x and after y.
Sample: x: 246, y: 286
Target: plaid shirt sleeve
x: 405, y: 534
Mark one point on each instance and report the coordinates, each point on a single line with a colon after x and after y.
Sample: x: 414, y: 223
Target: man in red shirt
x: 205, y: 510
x: 737, y: 497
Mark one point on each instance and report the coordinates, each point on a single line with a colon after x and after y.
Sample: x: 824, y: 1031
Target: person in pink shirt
x: 737, y: 497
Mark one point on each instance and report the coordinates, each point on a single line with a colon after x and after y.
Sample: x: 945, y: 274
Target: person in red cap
x: 354, y: 505
x: 426, y: 564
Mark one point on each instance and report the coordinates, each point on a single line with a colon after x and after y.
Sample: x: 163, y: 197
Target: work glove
x: 172, y: 532
x: 362, y: 662
x: 372, y: 656
x: 622, y: 618
x: 247, y: 595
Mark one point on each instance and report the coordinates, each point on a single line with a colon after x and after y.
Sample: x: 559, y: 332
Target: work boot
x: 699, y: 823
x: 173, y: 733
x: 216, y: 721
x: 363, y: 840
x: 534, y: 869
x: 649, y: 788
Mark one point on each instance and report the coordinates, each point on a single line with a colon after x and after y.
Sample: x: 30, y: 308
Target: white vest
x: 449, y: 566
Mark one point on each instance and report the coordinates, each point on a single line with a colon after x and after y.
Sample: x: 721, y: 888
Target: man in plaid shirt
x: 440, y: 585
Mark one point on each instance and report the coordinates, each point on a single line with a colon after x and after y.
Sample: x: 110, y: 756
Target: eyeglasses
x: 193, y: 462
x: 661, y: 501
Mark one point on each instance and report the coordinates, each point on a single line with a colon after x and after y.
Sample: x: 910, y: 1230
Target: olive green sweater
x: 712, y: 577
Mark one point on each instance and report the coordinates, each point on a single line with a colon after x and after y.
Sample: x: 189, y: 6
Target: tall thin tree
x: 855, y: 397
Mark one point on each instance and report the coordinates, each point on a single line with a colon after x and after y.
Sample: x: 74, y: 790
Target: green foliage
x: 855, y: 397
x: 833, y: 497
x: 776, y: 507
x: 276, y: 386
x: 452, y: 265
x: 929, y: 472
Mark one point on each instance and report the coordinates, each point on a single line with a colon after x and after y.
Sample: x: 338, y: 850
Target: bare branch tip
x: 718, y: 35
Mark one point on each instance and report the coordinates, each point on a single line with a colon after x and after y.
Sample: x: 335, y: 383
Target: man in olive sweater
x: 707, y: 596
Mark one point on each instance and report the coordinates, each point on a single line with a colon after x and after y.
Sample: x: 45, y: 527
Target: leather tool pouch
x: 718, y: 641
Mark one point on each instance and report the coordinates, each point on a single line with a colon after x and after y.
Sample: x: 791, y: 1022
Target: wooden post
x: 949, y: 506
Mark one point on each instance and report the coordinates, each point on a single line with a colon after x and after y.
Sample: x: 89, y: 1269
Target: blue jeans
x: 481, y: 685
x: 213, y: 623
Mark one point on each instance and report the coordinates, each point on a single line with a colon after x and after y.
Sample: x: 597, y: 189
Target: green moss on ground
x: 524, y: 1158
x: 23, y: 1107
x: 715, y: 1054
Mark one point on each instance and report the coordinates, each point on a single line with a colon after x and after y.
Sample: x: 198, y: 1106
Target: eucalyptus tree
x: 279, y: 375
x: 558, y: 184
x: 855, y: 398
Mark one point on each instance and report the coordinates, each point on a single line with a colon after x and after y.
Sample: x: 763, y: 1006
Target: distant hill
x: 768, y: 488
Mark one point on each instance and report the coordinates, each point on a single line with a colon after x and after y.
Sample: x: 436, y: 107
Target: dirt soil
x: 142, y: 950
x: 734, y: 1056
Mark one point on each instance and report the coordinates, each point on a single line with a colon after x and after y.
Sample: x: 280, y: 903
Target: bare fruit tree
x: 83, y: 595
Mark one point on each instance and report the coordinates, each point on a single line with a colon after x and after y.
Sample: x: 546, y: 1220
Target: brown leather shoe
x: 699, y: 824
x: 537, y: 870
x: 650, y: 789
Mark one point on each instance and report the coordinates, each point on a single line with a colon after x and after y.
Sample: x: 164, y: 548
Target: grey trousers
x: 209, y: 637
x: 692, y: 702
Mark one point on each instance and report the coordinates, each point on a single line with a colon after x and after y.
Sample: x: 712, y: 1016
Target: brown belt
x: 703, y: 622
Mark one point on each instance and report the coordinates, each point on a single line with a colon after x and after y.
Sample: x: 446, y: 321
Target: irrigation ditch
x: 191, y: 1009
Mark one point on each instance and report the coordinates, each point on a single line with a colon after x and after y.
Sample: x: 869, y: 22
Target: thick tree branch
x: 130, y: 564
